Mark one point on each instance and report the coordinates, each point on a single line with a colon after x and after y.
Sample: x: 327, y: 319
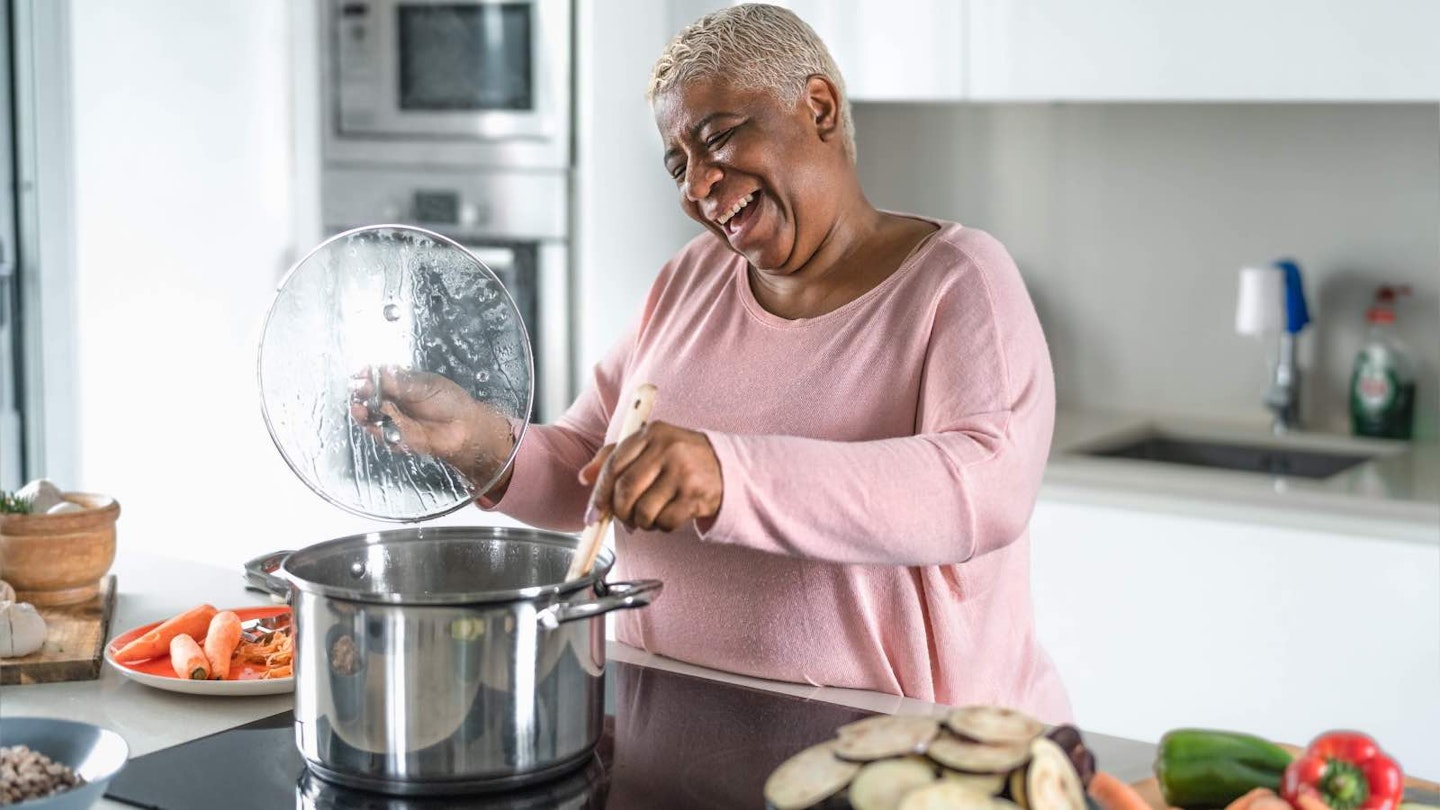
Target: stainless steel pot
x: 447, y: 660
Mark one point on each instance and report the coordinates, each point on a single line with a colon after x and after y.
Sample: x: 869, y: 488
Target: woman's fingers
x: 591, y: 470
x: 615, y: 465
x: 641, y: 492
x: 660, y: 478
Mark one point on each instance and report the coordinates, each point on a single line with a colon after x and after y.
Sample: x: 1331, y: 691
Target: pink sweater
x: 880, y: 464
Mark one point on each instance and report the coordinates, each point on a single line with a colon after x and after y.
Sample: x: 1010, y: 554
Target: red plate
x: 159, y: 673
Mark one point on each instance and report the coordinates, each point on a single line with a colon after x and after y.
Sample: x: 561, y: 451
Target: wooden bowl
x: 59, y: 559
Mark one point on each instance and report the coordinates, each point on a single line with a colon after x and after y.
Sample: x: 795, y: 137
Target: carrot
x: 1112, y: 794
x: 188, y: 659
x: 1249, y: 800
x: 220, y: 642
x: 193, y: 622
x: 1310, y: 799
x: 1267, y: 800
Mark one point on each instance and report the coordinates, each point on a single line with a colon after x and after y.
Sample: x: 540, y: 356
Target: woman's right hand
x: 435, y: 417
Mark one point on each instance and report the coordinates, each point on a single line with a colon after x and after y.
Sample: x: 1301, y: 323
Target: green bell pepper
x: 1199, y: 768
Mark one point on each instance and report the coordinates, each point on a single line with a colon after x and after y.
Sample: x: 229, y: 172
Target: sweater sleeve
x: 544, y: 488
x: 964, y: 484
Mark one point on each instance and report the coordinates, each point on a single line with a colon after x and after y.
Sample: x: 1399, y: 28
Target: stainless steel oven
x: 514, y: 222
x: 472, y: 82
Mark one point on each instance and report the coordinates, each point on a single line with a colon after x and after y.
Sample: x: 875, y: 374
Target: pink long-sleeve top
x: 880, y: 464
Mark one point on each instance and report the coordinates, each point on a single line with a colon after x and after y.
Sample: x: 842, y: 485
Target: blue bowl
x: 96, y: 754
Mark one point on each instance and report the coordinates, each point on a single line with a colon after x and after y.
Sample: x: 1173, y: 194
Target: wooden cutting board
x: 74, y: 642
x: 1416, y: 790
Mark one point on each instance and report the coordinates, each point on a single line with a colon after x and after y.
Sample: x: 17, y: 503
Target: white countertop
x: 151, y: 588
x: 1396, y: 495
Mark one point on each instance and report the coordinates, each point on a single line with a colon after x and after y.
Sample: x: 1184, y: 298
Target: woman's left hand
x: 662, y: 478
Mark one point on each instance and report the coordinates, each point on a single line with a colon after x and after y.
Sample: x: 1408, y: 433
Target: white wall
x: 628, y: 220
x: 1131, y: 221
x: 184, y: 216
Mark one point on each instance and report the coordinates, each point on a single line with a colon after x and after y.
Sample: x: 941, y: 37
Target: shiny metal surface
x: 494, y: 204
x: 449, y: 660
x: 1283, y: 396
x: 96, y: 755
x: 1274, y: 461
x: 443, y: 565
x: 366, y: 122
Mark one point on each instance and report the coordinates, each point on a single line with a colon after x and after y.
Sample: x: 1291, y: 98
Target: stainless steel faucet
x: 1283, y: 398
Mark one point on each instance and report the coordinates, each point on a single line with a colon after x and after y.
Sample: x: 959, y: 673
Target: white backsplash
x: 1130, y: 223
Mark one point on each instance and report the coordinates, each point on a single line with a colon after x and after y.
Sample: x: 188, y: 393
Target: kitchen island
x: 151, y: 588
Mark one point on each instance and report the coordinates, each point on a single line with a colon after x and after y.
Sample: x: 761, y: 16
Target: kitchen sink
x: 1269, y: 460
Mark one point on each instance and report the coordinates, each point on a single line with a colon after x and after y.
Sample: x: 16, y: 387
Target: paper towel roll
x: 1260, y: 307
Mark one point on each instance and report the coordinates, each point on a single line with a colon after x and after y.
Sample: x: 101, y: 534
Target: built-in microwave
x: 457, y: 82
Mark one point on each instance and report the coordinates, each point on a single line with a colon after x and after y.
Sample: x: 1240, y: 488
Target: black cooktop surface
x: 671, y: 741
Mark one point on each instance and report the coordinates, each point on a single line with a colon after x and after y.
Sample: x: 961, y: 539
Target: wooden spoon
x: 591, y: 539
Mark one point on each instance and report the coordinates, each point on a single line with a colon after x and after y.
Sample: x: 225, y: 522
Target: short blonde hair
x: 757, y: 46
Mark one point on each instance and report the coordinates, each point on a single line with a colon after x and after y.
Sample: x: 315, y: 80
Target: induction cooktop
x: 671, y: 742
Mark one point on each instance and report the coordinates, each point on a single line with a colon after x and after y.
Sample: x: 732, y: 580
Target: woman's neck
x: 863, y: 247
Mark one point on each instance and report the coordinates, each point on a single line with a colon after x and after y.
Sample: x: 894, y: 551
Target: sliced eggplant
x: 1016, y: 782
x: 1066, y: 736
x: 990, y: 784
x: 1050, y: 781
x: 881, y: 785
x: 885, y: 736
x: 808, y: 777
x: 995, y: 725
x: 973, y: 757
x: 1073, y: 744
x: 950, y: 796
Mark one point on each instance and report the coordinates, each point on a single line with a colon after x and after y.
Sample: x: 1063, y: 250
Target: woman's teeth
x: 744, y: 201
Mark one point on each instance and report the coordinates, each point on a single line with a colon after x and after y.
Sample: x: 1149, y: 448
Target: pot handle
x: 617, y: 596
x: 260, y: 574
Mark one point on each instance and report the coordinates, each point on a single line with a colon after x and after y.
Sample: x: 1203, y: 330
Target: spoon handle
x: 636, y: 414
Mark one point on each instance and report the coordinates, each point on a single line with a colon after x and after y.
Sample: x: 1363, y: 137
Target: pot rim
x: 602, y: 566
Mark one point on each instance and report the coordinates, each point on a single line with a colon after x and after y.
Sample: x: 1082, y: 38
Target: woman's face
x: 762, y: 174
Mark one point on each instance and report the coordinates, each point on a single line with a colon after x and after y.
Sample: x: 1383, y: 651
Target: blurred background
x: 170, y: 161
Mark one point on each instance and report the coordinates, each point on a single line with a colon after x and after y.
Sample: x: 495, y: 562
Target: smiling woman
x: 854, y: 409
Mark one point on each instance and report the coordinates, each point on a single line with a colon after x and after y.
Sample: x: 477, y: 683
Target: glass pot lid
x: 396, y: 303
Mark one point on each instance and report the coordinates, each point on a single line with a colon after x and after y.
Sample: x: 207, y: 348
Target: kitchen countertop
x: 150, y: 719
x: 1394, y: 496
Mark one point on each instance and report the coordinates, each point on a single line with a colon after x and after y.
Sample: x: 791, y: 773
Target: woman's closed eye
x: 718, y: 139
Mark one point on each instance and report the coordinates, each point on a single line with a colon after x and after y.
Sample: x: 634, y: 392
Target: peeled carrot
x: 1269, y: 801
x: 1247, y: 802
x: 220, y: 642
x: 188, y: 659
x: 1310, y: 799
x: 193, y: 622
x: 1112, y: 794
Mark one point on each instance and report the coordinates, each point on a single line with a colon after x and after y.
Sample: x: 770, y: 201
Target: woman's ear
x: 822, y: 99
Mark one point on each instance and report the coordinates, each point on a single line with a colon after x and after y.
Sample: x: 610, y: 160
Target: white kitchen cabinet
x: 895, y: 50
x: 1222, y: 50
x: 1158, y: 621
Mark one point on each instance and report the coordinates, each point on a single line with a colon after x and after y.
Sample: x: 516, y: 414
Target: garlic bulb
x: 22, y: 630
x: 63, y: 507
x: 42, y: 494
x: 7, y: 593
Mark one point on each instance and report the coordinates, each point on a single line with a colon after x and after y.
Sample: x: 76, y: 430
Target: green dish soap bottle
x: 1382, y: 389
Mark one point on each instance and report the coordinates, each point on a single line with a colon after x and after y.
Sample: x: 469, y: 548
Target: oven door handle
x: 499, y: 260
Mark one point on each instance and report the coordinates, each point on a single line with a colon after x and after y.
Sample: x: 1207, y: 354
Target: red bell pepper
x: 1348, y: 770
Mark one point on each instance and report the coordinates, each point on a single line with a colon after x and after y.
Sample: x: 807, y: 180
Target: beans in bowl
x: 27, y: 774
